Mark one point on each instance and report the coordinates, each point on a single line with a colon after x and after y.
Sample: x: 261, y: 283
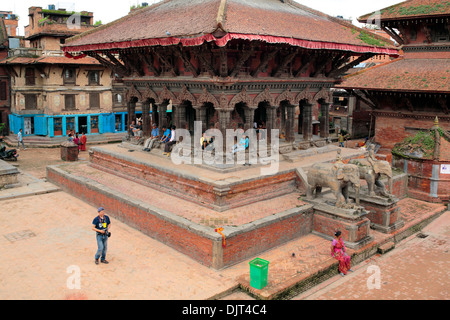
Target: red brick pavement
x: 417, y: 269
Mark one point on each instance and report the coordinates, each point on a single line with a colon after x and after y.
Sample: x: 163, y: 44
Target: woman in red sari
x: 83, y: 140
x: 338, y: 251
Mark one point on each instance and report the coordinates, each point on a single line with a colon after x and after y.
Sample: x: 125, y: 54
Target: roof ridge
x: 221, y: 14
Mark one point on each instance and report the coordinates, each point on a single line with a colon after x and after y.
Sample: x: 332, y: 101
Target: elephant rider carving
x: 336, y: 176
x: 372, y: 169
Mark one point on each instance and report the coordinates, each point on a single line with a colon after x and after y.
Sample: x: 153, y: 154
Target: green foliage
x: 370, y: 39
x: 98, y: 23
x: 69, y: 13
x: 2, y: 127
x: 46, y: 20
x: 417, y: 10
x: 423, y: 142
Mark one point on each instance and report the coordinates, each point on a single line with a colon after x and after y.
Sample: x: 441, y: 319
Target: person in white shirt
x: 171, y: 142
x: 20, y: 140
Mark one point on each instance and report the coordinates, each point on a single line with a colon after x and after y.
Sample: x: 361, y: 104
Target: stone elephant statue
x: 336, y: 176
x: 373, y: 175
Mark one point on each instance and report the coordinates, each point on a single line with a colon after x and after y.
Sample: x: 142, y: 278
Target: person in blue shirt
x: 101, y: 225
x: 154, y: 138
x: 166, y: 134
x: 243, y: 144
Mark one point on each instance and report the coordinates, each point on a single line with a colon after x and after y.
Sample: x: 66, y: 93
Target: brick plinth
x: 354, y: 225
x: 384, y: 214
x: 426, y: 181
x: 199, y: 242
x: 218, y: 196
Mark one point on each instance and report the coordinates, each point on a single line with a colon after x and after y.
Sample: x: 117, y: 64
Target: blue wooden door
x: 40, y: 126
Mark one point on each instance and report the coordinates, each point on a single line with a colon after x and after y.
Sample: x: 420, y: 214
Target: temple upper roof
x: 194, y: 22
x: 411, y: 9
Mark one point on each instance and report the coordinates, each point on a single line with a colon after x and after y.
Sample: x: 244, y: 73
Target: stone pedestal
x: 383, y: 213
x: 69, y: 151
x: 8, y: 174
x: 353, y: 223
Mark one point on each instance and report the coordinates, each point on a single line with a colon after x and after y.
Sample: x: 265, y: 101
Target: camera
x: 107, y: 233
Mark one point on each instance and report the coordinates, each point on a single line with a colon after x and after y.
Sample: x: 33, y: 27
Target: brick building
x: 406, y: 94
x: 52, y: 94
x: 5, y: 103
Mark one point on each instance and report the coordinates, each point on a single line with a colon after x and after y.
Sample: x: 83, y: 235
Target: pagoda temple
x: 407, y: 93
x: 230, y: 63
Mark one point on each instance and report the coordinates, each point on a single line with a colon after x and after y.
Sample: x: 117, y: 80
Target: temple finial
x: 436, y: 123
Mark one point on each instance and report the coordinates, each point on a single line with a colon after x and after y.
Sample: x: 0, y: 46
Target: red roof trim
x: 221, y: 42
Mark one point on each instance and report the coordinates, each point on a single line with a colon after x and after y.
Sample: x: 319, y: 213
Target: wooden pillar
x: 146, y: 125
x: 271, y: 113
x: 307, y: 122
x: 200, y: 114
x: 249, y: 118
x: 224, y: 124
x: 325, y: 120
x: 155, y: 114
x: 131, y: 110
x: 289, y: 123
x: 180, y: 116
x: 163, y: 114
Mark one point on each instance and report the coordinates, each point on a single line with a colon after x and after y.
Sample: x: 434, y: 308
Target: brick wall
x: 390, y: 130
x: 196, y: 241
x: 195, y: 190
x: 420, y: 176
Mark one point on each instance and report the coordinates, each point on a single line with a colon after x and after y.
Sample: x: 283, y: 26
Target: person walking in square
x: 101, y: 225
x: 20, y: 140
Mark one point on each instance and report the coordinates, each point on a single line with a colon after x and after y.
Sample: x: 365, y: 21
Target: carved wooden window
x: 69, y: 101
x: 30, y: 101
x: 94, y: 78
x: 3, y: 91
x: 30, y: 79
x: 69, y: 76
x: 94, y: 100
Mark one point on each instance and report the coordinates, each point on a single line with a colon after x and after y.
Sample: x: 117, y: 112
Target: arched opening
x: 238, y: 116
x: 211, y: 115
x: 261, y: 115
x: 189, y: 116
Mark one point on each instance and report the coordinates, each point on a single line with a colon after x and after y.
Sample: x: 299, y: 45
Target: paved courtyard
x: 47, y: 250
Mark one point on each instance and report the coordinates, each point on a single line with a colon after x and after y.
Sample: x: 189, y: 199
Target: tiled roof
x: 430, y: 75
x: 49, y: 60
x: 192, y: 22
x: 411, y: 9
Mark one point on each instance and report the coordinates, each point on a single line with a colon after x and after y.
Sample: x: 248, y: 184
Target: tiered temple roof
x: 194, y: 22
x: 411, y: 9
x: 425, y: 65
x: 403, y: 75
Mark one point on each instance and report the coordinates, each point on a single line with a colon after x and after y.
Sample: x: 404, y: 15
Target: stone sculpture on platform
x: 372, y: 170
x: 336, y: 176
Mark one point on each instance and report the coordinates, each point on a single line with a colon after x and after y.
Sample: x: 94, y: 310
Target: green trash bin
x: 258, y: 273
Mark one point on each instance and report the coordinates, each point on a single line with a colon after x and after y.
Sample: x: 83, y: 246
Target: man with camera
x: 101, y: 225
